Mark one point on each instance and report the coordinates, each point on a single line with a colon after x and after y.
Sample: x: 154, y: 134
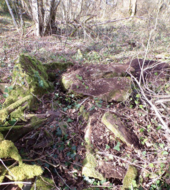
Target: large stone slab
x: 107, y: 82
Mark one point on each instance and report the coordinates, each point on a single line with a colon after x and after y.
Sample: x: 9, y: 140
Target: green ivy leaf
x: 137, y: 95
x: 144, y: 153
x: 161, y: 145
x: 79, y: 77
x: 69, y: 120
x: 165, y: 153
x: 117, y: 147
x: 141, y: 106
x: 159, y: 127
x: 107, y: 147
x: 41, y: 83
x: 151, y: 165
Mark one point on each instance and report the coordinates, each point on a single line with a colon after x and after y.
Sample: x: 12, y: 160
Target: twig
x: 10, y: 129
x: 162, y: 100
x: 16, y: 182
x: 110, y: 21
x: 147, y: 48
x: 103, y: 153
x: 61, y: 178
x: 165, y: 126
x: 52, y: 178
x: 7, y: 168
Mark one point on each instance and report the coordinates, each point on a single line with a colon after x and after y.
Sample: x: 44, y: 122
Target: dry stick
x: 7, y: 168
x: 110, y: 21
x: 162, y: 100
x: 147, y: 47
x: 10, y: 129
x: 123, y: 160
x: 61, y: 178
x: 16, y: 182
x: 165, y: 126
x: 52, y: 178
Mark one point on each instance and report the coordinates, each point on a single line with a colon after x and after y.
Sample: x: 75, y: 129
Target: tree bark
x: 132, y: 7
x: 35, y: 14
x: 12, y: 15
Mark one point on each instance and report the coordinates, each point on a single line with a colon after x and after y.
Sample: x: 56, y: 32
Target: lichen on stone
x: 89, y: 167
x: 84, y: 112
x: 66, y: 82
x: 114, y: 124
x: 130, y: 176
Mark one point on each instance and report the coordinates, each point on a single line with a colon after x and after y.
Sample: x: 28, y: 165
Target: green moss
x: 43, y: 183
x: 29, y: 77
x: 89, y: 167
x: 25, y: 171
x: 1, y: 137
x: 4, y: 115
x: 130, y: 176
x: 17, y: 111
x: 29, y: 82
x: 57, y: 65
x: 2, y: 173
x: 8, y: 150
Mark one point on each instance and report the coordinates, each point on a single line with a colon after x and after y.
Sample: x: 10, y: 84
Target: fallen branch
x: 164, y: 125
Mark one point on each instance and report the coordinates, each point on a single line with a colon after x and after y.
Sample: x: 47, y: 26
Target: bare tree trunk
x: 35, y: 14
x: 12, y: 15
x: 132, y: 7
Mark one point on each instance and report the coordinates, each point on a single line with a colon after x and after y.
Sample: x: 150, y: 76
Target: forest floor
x: 60, y: 155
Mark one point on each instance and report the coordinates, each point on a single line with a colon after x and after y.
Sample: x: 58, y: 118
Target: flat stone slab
x: 120, y: 131
x: 107, y: 82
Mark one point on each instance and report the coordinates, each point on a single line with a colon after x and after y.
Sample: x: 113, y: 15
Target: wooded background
x: 48, y: 15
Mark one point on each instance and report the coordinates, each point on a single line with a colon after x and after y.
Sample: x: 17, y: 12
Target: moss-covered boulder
x: 107, y: 82
x: 129, y: 178
x: 113, y: 123
x: 29, y: 78
x: 29, y: 82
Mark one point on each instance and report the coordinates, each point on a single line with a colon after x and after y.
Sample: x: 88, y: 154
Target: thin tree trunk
x: 35, y: 12
x: 133, y: 5
x: 12, y: 15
